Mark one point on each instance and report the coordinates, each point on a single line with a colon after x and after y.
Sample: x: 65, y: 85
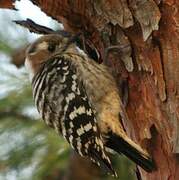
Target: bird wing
x: 63, y: 95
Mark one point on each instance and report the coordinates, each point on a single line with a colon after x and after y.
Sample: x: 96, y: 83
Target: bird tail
x: 133, y: 151
x: 99, y: 156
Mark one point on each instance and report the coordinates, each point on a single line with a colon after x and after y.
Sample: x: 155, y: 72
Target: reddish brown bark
x: 6, y: 4
x: 151, y: 66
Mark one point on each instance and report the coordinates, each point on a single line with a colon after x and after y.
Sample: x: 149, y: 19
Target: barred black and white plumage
x: 80, y: 100
x: 63, y: 104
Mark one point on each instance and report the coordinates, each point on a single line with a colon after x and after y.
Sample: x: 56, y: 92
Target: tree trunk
x: 146, y: 60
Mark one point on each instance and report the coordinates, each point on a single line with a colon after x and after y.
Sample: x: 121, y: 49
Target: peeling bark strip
x: 148, y: 15
x: 151, y: 57
x: 33, y: 27
x: 115, y: 12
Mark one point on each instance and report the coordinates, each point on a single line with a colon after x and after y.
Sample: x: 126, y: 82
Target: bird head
x: 45, y: 48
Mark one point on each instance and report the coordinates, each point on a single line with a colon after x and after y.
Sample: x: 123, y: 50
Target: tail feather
x: 98, y: 155
x: 132, y: 151
x: 103, y: 163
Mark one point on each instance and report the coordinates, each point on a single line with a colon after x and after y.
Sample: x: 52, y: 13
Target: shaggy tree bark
x: 147, y: 35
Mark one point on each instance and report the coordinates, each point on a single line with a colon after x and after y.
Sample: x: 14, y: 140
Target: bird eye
x: 51, y: 47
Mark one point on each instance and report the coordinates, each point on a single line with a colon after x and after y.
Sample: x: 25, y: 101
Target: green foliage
x: 125, y: 168
x: 5, y: 47
x: 25, y: 140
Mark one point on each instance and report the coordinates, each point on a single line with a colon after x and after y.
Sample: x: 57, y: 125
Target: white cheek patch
x: 29, y: 68
x: 42, y: 46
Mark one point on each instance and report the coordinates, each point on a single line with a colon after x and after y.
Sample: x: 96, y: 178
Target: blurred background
x: 28, y: 148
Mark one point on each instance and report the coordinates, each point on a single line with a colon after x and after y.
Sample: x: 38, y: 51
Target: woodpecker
x: 79, y: 99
